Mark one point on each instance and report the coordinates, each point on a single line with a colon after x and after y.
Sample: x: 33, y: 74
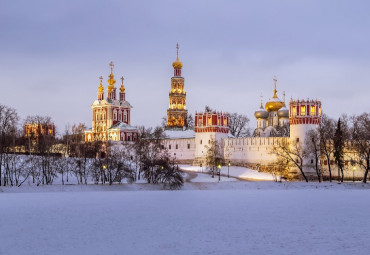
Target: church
x: 111, y: 117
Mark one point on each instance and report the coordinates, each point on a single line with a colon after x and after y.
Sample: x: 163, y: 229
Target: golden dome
x: 275, y: 103
x: 177, y: 64
x: 101, y: 88
x: 111, y: 80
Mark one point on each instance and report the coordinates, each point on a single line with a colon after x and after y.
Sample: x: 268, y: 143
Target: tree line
x: 340, y: 143
x: 40, y: 157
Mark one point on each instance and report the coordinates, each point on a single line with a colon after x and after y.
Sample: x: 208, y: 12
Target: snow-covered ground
x: 234, y: 171
x: 203, y: 218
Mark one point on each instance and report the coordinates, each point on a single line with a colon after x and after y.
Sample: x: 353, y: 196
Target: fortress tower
x: 177, y: 113
x: 304, y: 115
x: 209, y: 127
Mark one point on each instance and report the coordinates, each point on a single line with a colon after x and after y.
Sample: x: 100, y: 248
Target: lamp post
x: 219, y: 172
x: 228, y: 168
x: 354, y: 169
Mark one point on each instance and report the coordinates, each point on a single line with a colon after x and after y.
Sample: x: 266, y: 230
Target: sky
x: 53, y: 52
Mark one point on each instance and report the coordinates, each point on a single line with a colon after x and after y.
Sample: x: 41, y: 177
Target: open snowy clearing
x: 203, y: 218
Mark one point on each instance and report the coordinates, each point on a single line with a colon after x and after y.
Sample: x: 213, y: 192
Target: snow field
x: 301, y: 220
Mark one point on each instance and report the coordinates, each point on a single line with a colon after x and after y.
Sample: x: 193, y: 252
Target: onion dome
x: 283, y: 112
x: 177, y: 64
x: 261, y: 113
x: 111, y: 80
x: 122, y: 88
x: 101, y: 88
x: 275, y: 103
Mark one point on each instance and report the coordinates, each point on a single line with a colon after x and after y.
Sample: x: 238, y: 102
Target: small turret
x: 122, y: 94
x: 101, y: 89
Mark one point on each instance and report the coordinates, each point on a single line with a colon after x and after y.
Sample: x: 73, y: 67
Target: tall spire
x: 177, y: 65
x: 261, y: 101
x: 275, y: 80
x: 177, y: 51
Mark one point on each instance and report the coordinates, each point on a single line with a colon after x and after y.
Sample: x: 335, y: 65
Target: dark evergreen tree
x: 339, y: 149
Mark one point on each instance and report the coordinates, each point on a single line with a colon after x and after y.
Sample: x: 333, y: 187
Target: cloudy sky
x: 52, y: 53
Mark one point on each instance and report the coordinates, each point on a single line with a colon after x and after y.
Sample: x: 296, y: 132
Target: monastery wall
x: 250, y: 151
x: 182, y: 149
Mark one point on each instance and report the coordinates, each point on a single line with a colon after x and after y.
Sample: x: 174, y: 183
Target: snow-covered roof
x: 122, y: 125
x: 179, y: 133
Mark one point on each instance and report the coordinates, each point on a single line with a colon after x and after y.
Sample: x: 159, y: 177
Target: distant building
x: 35, y: 130
x: 111, y: 118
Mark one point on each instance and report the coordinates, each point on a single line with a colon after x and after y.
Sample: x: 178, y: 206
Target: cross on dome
x: 111, y: 64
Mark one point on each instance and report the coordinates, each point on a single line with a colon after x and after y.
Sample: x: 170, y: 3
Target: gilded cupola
x: 275, y: 103
x: 177, y: 64
x: 122, y: 88
x: 111, y: 80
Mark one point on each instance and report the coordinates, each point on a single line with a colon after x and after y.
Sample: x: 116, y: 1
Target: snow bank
x: 234, y: 171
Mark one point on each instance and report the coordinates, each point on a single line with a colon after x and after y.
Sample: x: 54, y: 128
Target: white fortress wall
x: 183, y: 147
x: 250, y: 150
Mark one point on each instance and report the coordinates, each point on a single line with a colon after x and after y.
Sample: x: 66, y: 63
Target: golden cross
x: 177, y: 50
x: 275, y: 80
x: 122, y: 79
x: 101, y: 78
x: 111, y: 66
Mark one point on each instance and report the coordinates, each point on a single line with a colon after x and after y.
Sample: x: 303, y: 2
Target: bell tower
x: 177, y: 113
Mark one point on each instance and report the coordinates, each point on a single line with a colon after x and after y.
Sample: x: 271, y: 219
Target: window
x: 297, y: 139
x: 225, y: 122
x: 188, y: 146
x: 169, y: 147
x: 311, y: 161
x: 162, y: 147
x: 209, y: 121
x: 313, y: 110
x: 303, y: 110
x: 177, y: 146
x: 320, y: 111
x: 294, y: 111
x: 201, y: 141
x: 331, y: 162
x: 325, y: 162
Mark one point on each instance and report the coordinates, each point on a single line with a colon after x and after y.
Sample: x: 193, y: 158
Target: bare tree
x: 291, y: 152
x: 238, y: 125
x: 361, y: 142
x: 326, y: 131
x: 8, y: 125
x: 312, y: 150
